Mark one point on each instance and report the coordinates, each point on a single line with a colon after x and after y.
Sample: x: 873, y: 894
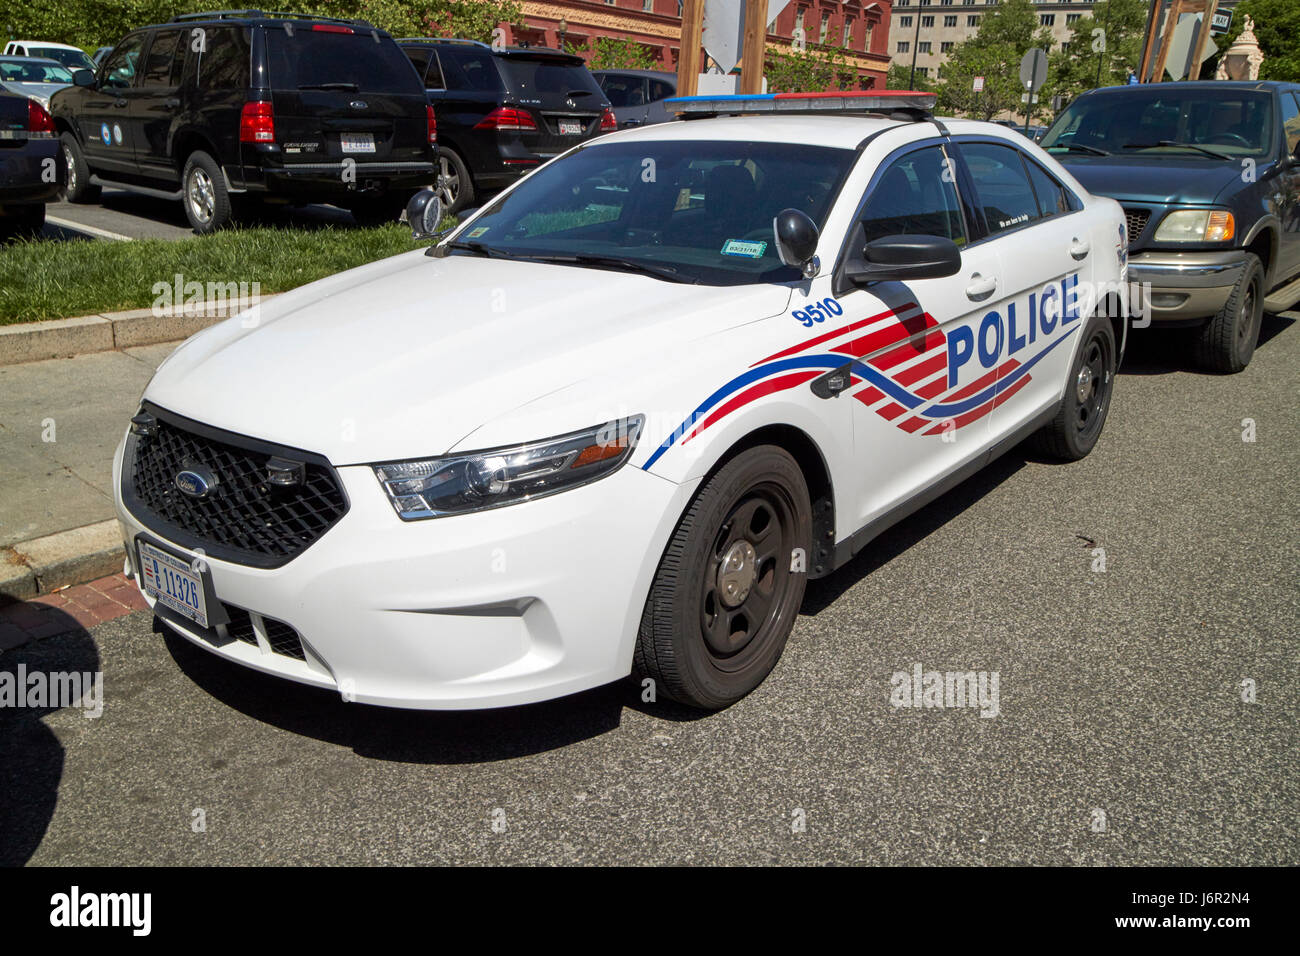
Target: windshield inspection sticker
x: 740, y: 247
x: 475, y: 233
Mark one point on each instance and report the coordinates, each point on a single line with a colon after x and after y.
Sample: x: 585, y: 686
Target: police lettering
x: 1045, y: 312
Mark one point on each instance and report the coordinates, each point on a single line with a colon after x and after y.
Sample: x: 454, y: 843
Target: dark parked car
x: 224, y: 108
x: 503, y: 112
x: 29, y: 166
x: 637, y: 96
x: 1209, y: 178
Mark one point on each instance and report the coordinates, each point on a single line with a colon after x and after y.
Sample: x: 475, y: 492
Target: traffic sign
x: 979, y: 84
x: 1221, y: 21
x: 1033, y: 68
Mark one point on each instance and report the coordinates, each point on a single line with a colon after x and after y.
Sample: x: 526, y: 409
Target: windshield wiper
x: 578, y: 93
x: 1079, y: 147
x: 1170, y: 142
x: 615, y: 262
x: 350, y: 87
x: 479, y: 248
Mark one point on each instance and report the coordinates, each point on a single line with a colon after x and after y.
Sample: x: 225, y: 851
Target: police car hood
x: 405, y: 357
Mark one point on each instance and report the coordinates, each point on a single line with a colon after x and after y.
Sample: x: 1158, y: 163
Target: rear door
x: 343, y: 93
x: 559, y: 92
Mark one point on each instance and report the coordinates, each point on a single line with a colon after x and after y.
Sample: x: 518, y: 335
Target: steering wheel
x: 1232, y: 139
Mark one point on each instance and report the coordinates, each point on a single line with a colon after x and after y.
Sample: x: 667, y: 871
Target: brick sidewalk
x: 82, y: 607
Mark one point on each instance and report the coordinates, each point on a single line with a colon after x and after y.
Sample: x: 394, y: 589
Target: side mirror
x: 899, y: 258
x: 796, y: 240
x: 424, y: 213
x: 83, y: 78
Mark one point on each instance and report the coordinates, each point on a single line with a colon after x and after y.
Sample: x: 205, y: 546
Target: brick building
x: 860, y: 29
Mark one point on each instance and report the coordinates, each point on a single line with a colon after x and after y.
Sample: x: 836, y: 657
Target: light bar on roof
x: 876, y: 101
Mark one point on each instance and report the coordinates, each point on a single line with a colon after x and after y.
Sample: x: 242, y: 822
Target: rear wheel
x: 729, y: 585
x: 77, y: 186
x: 1082, y: 414
x: 204, y: 193
x: 1227, y: 341
x: 454, y: 186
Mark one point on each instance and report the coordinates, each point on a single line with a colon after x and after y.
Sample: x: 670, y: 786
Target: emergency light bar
x: 911, y: 103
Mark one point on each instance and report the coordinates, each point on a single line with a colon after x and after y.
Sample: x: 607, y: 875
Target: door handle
x: 980, y: 287
x: 1079, y: 248
x: 120, y: 104
x: 171, y: 102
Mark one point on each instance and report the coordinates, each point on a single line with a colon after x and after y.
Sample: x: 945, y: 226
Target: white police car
x: 615, y: 420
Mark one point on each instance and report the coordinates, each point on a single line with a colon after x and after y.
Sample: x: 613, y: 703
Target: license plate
x: 570, y: 127
x: 358, y: 142
x: 174, y: 583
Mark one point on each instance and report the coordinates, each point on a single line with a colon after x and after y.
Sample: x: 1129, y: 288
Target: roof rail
x: 441, y: 40
x: 265, y: 14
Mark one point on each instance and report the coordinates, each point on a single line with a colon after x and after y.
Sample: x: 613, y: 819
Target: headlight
x: 459, y: 484
x: 1197, y: 225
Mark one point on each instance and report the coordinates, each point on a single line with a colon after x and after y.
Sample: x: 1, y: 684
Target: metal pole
x: 1102, y: 51
x: 916, y: 43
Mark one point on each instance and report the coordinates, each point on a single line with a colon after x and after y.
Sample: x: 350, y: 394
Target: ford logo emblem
x: 196, y: 482
x: 358, y: 104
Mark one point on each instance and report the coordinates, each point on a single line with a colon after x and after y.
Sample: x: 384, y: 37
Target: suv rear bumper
x: 1186, y: 287
x: 325, y: 180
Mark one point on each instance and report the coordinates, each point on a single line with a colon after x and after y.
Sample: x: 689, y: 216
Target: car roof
x: 48, y: 43
x: 260, y: 18
x: 654, y: 74
x: 1196, y: 86
x: 509, y: 51
x: 43, y: 60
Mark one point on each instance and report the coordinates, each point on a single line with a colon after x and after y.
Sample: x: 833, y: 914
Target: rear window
x: 469, y: 69
x: 348, y: 61
x: 539, y: 77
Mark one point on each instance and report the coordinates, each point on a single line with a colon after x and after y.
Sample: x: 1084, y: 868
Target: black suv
x: 1209, y: 178
x: 501, y: 112
x: 229, y: 107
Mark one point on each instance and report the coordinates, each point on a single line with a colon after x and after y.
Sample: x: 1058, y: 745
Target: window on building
x: 927, y: 22
x: 1047, y: 19
x: 923, y: 46
x: 848, y: 31
x: 973, y: 20
x: 945, y: 46
x: 950, y: 21
x: 904, y: 21
x: 904, y: 46
x: 923, y: 70
x: 1072, y: 17
x: 826, y: 28
x: 648, y: 6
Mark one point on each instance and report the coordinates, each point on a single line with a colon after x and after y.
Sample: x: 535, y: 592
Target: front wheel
x: 1227, y: 341
x: 1079, y: 420
x: 204, y: 192
x: 730, y: 583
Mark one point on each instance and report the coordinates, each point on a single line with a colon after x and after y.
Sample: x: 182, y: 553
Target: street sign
x: 1033, y: 68
x: 724, y: 29
x: 979, y: 84
x: 1221, y: 20
x: 1024, y: 98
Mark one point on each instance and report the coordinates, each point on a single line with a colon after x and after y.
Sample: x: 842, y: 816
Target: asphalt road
x: 1122, y: 736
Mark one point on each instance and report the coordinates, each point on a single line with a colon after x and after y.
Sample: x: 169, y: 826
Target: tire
x: 204, y: 194
x: 454, y: 186
x: 77, y: 187
x: 1082, y: 414
x: 1227, y: 342
x: 705, y: 646
x: 22, y: 222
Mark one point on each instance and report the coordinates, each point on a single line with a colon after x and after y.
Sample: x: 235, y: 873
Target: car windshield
x: 1231, y: 123
x: 687, y: 211
x: 72, y: 59
x: 27, y: 71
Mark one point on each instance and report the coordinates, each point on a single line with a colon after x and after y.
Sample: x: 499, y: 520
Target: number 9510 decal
x: 809, y: 315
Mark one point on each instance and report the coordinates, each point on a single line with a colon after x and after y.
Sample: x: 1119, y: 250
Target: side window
x: 223, y: 61
x: 1053, y: 199
x: 915, y: 196
x: 470, y: 70
x: 119, y: 69
x: 419, y: 57
x: 1002, y: 185
x: 433, y: 79
x: 659, y: 90
x: 1290, y: 122
x: 158, y: 63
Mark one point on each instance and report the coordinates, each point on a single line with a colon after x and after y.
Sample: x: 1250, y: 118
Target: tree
x: 900, y: 77
x: 1005, y: 33
x: 809, y: 71
x: 611, y: 53
x: 1107, y: 42
x: 1277, y: 28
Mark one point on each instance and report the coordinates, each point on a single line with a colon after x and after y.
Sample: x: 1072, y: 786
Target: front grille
x: 1136, y: 220
x: 242, y: 518
x: 282, y: 638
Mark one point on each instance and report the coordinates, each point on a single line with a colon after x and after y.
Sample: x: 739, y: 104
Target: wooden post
x: 1176, y: 10
x: 755, y: 46
x: 1202, y: 39
x: 688, y: 61
x: 1153, y: 26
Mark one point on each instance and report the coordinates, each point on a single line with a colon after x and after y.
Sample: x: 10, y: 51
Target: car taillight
x: 332, y: 28
x: 507, y: 118
x: 257, y: 123
x: 607, y: 120
x: 39, y: 120
x: 433, y: 125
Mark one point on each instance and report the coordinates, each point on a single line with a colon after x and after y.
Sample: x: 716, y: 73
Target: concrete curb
x: 42, y: 565
x: 60, y: 338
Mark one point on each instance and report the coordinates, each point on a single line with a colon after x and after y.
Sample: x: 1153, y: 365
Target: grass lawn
x: 56, y: 280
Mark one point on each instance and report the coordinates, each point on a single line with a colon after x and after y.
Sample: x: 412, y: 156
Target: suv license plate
x: 172, y: 581
x: 358, y: 142
x: 570, y: 128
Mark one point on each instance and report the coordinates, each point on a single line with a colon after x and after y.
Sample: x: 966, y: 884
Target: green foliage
x: 900, y: 77
x: 809, y: 71
x: 1277, y: 28
x: 1108, y: 42
x: 1005, y: 33
x: 610, y: 53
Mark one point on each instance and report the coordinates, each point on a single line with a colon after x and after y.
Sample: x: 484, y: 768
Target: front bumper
x: 1184, y: 287
x: 504, y: 607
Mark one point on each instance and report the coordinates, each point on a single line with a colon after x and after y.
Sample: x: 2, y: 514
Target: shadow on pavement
x: 31, y: 756
x: 1157, y: 351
